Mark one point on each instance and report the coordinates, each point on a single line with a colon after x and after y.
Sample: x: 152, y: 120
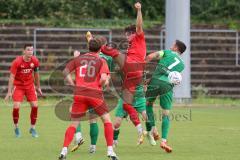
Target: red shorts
x: 82, y: 104
x: 133, y: 74
x: 20, y: 92
x: 131, y: 81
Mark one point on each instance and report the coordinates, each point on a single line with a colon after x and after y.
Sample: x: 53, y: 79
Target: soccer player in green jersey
x: 159, y: 85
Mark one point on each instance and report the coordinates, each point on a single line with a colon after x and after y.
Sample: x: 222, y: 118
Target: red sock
x: 33, y: 116
x: 108, y: 132
x: 69, y: 134
x: 132, y: 113
x: 15, y: 115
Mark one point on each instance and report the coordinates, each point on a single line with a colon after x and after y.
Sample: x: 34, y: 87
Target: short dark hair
x: 94, y: 45
x: 27, y: 45
x: 181, y: 46
x: 130, y: 29
x: 101, y: 39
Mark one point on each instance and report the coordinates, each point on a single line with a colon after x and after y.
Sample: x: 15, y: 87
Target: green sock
x: 165, y: 126
x: 94, y: 133
x: 115, y: 134
x: 151, y: 121
x: 78, y: 128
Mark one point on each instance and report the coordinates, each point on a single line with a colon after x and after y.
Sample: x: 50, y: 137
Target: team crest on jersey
x: 32, y: 65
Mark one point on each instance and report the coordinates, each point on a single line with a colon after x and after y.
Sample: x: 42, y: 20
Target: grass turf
x: 208, y: 133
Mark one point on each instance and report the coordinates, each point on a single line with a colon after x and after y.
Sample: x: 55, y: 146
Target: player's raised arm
x: 139, y: 22
x: 154, y: 56
x: 10, y: 86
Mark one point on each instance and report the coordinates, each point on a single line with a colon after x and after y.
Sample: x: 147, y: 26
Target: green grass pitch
x: 209, y: 133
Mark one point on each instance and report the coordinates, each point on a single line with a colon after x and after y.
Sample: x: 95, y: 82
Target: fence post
x: 110, y: 36
x: 35, y: 41
x: 237, y: 55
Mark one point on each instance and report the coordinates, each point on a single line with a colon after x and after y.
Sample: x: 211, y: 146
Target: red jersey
x: 136, y: 51
x: 23, y: 70
x: 88, y: 70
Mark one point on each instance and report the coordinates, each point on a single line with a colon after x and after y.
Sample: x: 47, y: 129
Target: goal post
x: 178, y: 27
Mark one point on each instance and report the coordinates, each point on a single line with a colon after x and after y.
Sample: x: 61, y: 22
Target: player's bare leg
x: 165, y: 128
x: 15, y: 114
x: 117, y: 124
x: 155, y: 133
x: 108, y: 131
x: 33, y: 117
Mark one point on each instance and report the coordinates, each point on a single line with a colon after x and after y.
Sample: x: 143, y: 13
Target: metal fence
x: 36, y: 30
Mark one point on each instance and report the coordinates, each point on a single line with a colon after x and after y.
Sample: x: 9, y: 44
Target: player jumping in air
x: 21, y: 83
x: 132, y: 65
x: 159, y: 85
x: 92, y: 74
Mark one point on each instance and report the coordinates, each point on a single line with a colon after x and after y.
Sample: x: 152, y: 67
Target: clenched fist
x: 138, y: 5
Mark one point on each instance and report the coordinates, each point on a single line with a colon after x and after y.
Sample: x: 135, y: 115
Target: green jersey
x: 139, y: 92
x: 170, y: 61
x: 109, y: 61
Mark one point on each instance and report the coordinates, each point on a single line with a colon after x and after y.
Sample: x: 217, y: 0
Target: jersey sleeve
x: 70, y: 66
x: 140, y: 36
x: 161, y: 53
x: 14, y: 67
x: 37, y: 64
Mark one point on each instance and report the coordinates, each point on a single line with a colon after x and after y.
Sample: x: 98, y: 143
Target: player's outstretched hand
x: 138, y: 5
x: 8, y: 96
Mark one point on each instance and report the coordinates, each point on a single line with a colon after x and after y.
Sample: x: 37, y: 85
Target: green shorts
x: 139, y: 104
x: 165, y: 93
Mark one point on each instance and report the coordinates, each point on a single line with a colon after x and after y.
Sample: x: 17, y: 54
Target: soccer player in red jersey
x: 91, y: 74
x: 21, y: 83
x: 132, y: 64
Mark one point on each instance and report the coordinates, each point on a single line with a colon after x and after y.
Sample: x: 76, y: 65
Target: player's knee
x: 106, y: 118
x: 117, y: 122
x: 117, y: 125
x: 34, y: 103
x: 16, y: 105
x: 93, y: 121
x: 107, y: 121
x: 165, y: 112
x: 75, y: 124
